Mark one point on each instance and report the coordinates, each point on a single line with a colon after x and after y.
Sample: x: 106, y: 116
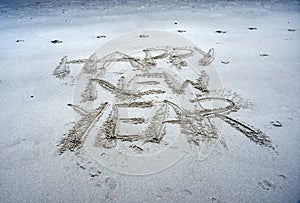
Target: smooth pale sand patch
x: 163, y: 157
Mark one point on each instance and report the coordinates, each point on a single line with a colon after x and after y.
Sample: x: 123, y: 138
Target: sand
x: 255, y: 70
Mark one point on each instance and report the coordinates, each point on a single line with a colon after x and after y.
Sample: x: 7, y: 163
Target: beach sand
x: 256, y: 65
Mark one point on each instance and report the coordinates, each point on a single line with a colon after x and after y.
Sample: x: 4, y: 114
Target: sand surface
x: 256, y: 67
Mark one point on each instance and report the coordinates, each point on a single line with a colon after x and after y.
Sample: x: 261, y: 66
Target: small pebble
x: 94, y: 173
x: 101, y: 36
x: 252, y: 28
x: 263, y: 55
x: 220, y: 31
x: 56, y: 41
x: 144, y: 36
x: 225, y: 62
